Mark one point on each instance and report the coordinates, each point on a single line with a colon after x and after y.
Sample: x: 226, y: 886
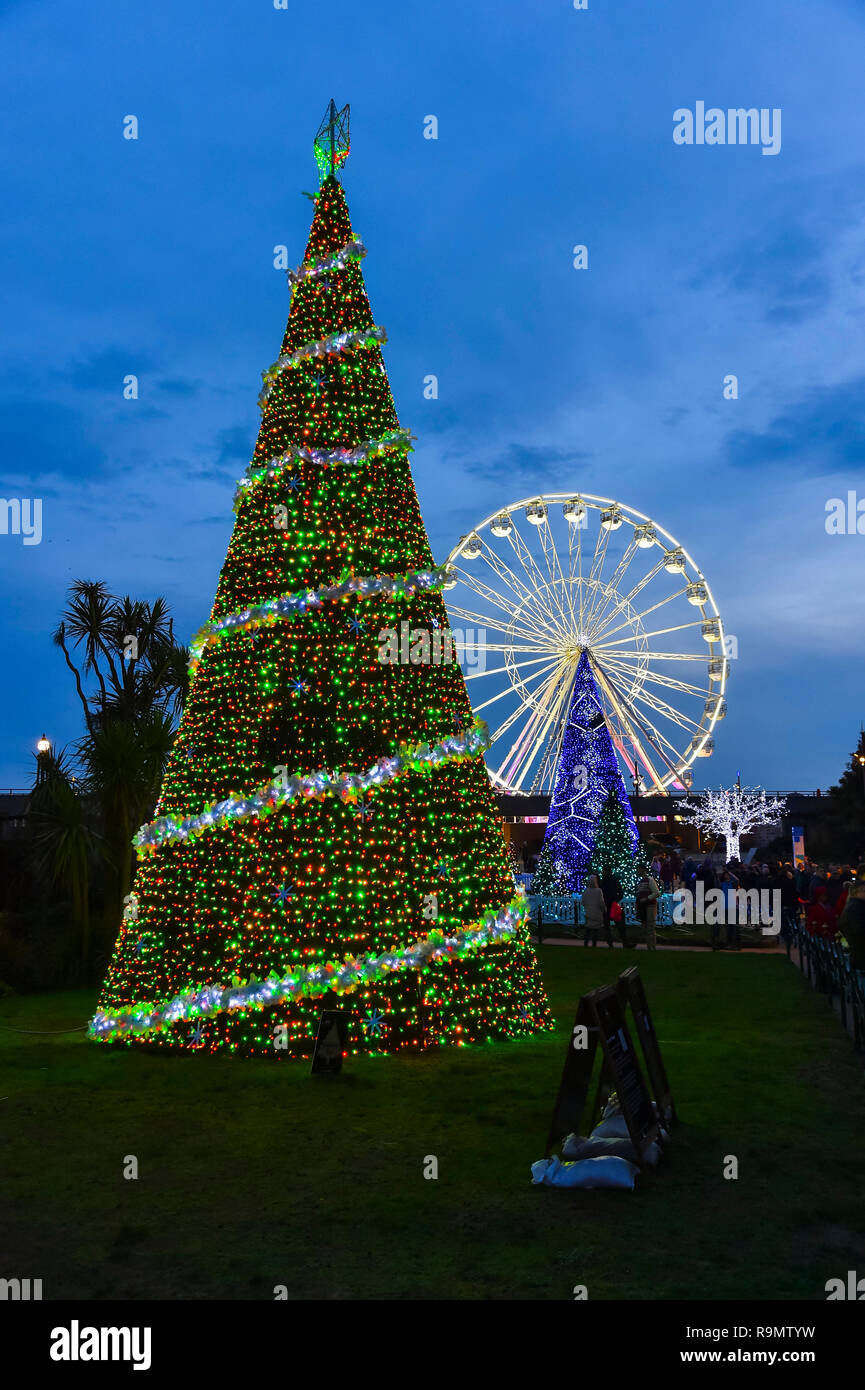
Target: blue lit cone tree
x: 587, y: 776
x: 326, y: 835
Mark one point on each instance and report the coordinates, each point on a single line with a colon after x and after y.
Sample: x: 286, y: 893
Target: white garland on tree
x: 733, y: 812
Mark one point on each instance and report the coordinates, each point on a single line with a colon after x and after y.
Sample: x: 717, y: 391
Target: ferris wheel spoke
x: 659, y: 632
x: 656, y: 678
x: 631, y: 722
x: 507, y: 606
x: 660, y: 741
x: 527, y: 603
x: 650, y: 736
x: 637, y: 616
x: 517, y: 626
x: 523, y: 592
x: 523, y: 753
x: 609, y: 593
x: 544, y: 588
x: 641, y: 584
x: 635, y: 654
x: 578, y: 528
x: 521, y: 686
x: 662, y: 708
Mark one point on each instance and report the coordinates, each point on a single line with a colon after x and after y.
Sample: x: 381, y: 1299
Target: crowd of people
x: 828, y: 900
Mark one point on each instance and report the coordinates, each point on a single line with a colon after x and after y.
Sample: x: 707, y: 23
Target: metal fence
x: 826, y: 965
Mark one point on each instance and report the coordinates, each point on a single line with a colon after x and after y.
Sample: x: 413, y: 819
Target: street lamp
x: 43, y: 751
x: 860, y: 758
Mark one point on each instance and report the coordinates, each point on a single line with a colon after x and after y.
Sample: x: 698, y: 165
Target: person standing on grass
x: 728, y: 885
x: 667, y: 874
x: 595, y: 911
x: 851, y: 925
x: 612, y: 891
x: 647, y: 909
x: 785, y: 883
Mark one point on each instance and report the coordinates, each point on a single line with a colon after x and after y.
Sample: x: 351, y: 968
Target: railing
x: 567, y: 909
x: 827, y: 966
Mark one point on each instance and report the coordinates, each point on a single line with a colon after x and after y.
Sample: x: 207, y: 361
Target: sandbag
x: 588, y: 1172
x: 613, y: 1128
x: 577, y: 1146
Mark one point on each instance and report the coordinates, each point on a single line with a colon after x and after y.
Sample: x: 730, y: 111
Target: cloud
x: 105, y: 370
x: 525, y: 463
x: 179, y: 386
x: 782, y: 268
x: 234, y: 447
x: 41, y: 438
x: 823, y: 433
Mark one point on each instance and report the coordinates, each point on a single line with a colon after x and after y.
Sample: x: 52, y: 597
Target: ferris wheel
x: 541, y: 581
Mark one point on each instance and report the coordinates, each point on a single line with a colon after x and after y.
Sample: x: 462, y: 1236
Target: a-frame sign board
x: 631, y: 991
x: 330, y: 1043
x: 600, y: 1019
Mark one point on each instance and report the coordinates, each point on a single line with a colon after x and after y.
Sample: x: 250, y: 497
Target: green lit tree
x: 326, y: 835
x: 614, y: 848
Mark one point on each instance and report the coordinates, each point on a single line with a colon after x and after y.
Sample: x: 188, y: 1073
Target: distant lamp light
x: 44, y: 744
x: 696, y: 593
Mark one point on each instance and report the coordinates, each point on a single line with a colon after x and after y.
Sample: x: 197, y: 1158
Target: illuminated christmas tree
x: 614, y: 847
x: 587, y: 774
x: 733, y: 812
x: 326, y: 835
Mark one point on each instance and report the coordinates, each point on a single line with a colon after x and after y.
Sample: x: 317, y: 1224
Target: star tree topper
x: 331, y: 141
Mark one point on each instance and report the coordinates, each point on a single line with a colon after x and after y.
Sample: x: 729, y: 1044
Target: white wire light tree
x: 733, y: 811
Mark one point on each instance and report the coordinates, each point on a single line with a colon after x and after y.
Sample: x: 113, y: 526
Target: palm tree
x: 141, y: 677
x: 123, y: 763
x: 63, y: 840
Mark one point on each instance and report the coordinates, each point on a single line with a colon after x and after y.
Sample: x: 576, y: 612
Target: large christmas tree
x: 326, y: 835
x: 587, y: 774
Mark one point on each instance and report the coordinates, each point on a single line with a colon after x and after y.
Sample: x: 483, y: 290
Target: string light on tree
x: 733, y: 812
x: 294, y: 864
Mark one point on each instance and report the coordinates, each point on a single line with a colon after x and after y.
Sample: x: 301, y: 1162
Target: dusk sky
x: 154, y: 257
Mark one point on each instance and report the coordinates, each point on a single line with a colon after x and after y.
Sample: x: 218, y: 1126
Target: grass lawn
x: 253, y: 1174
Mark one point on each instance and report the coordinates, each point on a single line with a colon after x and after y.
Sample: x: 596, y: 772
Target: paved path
x: 641, y: 946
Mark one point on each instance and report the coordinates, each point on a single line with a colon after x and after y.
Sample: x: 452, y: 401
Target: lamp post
x: 860, y: 758
x: 43, y: 752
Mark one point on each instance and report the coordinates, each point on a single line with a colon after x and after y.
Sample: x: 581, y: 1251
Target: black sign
x: 632, y: 992
x: 601, y: 1014
x: 330, y: 1044
x: 626, y: 1078
x: 576, y: 1075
